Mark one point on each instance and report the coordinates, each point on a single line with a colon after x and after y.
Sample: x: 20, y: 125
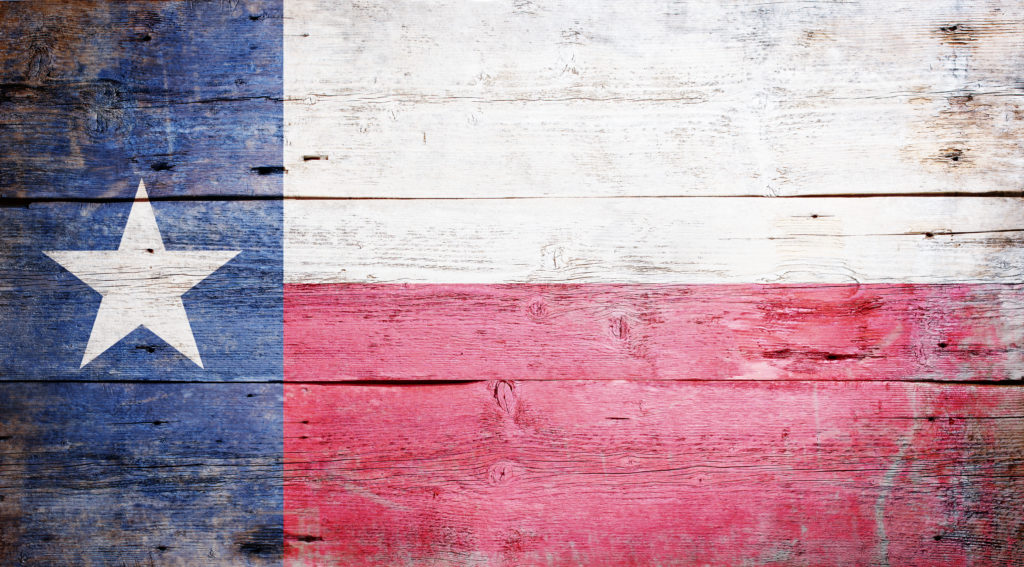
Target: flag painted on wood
x: 527, y: 283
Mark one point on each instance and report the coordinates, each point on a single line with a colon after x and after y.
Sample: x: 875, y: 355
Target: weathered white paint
x: 450, y: 98
x: 141, y: 283
x: 683, y: 240
x: 554, y: 99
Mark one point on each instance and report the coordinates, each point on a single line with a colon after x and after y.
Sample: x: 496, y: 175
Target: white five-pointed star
x: 141, y: 283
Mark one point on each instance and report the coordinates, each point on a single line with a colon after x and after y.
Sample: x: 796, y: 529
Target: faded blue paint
x: 93, y: 97
x: 46, y: 313
x: 192, y: 110
x: 140, y: 474
x: 185, y: 93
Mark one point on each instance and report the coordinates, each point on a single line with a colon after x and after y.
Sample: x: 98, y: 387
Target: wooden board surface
x: 640, y: 473
x: 140, y: 474
x: 128, y: 461
x: 569, y: 98
x: 47, y: 313
x: 95, y: 94
x: 668, y: 332
x: 659, y: 240
x: 557, y: 242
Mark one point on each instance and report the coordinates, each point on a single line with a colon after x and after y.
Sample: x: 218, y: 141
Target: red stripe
x: 646, y: 473
x: 602, y: 331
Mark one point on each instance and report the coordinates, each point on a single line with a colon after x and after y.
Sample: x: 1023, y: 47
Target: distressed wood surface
x: 47, y: 313
x: 95, y: 94
x: 659, y: 240
x: 641, y: 473
x: 630, y: 392
x: 673, y: 332
x: 562, y: 97
x: 140, y: 474
x: 122, y: 468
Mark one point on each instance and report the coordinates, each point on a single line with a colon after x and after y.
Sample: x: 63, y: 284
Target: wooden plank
x: 673, y: 332
x: 47, y: 313
x: 94, y: 95
x: 654, y: 473
x: 658, y: 240
x: 140, y: 474
x: 582, y: 98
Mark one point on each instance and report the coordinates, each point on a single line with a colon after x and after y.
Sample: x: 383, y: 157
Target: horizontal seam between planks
x: 15, y: 202
x: 1015, y: 382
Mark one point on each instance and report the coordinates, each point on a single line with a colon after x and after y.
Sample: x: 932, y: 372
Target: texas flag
x: 487, y: 282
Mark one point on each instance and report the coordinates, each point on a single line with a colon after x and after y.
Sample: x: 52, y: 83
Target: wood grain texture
x: 673, y: 332
x: 584, y: 98
x: 522, y: 134
x: 658, y: 240
x: 47, y: 314
x: 95, y: 94
x: 140, y: 474
x: 642, y: 473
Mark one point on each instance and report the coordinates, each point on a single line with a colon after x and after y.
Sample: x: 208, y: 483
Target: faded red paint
x: 623, y: 331
x: 644, y: 473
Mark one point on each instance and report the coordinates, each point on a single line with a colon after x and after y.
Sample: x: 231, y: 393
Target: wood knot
x: 620, y: 327
x: 952, y: 156
x: 956, y: 34
x: 43, y: 43
x: 40, y: 63
x: 108, y: 105
x: 505, y: 396
x: 264, y: 541
x: 501, y: 472
x: 537, y: 309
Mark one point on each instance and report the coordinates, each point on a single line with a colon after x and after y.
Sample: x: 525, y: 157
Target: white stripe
x: 567, y: 98
x: 685, y: 240
x: 433, y: 98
